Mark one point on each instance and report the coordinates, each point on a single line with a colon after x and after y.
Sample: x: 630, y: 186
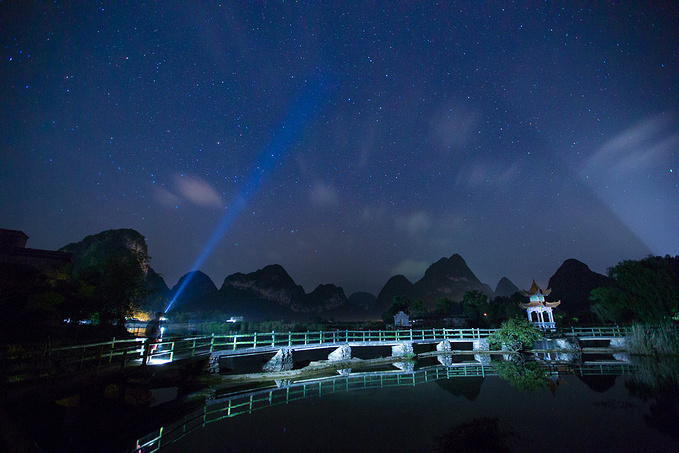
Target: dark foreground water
x: 432, y: 410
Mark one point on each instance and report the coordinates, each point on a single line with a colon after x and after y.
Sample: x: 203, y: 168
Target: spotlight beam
x: 282, y: 140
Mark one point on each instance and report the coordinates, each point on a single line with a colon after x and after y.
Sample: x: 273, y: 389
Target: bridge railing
x: 54, y: 361
x: 20, y: 364
x: 211, y: 343
x: 598, y: 331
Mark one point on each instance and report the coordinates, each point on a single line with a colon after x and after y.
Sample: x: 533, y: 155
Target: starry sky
x: 347, y: 143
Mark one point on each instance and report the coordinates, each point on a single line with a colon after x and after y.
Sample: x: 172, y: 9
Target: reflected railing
x: 220, y: 407
x: 50, y: 361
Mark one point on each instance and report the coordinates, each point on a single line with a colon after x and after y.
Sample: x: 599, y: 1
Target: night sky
x: 348, y: 144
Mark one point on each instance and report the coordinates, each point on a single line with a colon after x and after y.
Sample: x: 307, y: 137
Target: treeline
x: 212, y: 322
x: 476, y: 308
x: 645, y: 291
x: 90, y: 301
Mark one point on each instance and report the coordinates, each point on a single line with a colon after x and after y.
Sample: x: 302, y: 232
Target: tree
x: 444, y: 307
x: 417, y: 308
x: 401, y: 303
x: 398, y: 303
x: 114, y: 287
x: 475, y: 306
x: 503, y: 308
x: 610, y: 305
x: 646, y: 291
x: 32, y: 302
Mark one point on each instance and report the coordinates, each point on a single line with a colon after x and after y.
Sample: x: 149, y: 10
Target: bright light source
x: 158, y: 361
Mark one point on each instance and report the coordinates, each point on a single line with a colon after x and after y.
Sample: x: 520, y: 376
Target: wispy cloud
x: 166, y: 198
x: 416, y: 224
x: 634, y: 150
x: 454, y: 127
x: 633, y: 174
x: 188, y: 189
x: 198, y: 191
x: 489, y: 174
x: 323, y: 195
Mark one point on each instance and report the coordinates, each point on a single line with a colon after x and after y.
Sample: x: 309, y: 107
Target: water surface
x: 419, y: 412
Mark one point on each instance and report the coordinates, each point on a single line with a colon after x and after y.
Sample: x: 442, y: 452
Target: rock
x: 402, y: 349
x: 405, y: 366
x: 444, y: 346
x: 341, y: 353
x: 282, y: 361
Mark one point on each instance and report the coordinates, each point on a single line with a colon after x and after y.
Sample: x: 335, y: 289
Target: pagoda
x: 539, y: 306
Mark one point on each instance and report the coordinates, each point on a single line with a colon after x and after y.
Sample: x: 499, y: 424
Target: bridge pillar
x: 282, y: 361
x: 444, y: 360
x: 481, y: 344
x: 341, y: 353
x: 444, y: 346
x: 572, y: 351
x: 213, y: 362
x: 408, y: 367
x: 402, y: 349
x: 620, y: 343
x: 280, y: 383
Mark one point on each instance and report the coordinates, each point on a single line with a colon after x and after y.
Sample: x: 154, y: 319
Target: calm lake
x: 618, y: 407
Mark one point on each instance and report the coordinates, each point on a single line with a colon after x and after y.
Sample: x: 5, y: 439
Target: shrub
x: 524, y: 376
x: 514, y: 335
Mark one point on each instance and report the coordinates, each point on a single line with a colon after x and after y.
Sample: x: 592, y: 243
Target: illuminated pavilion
x: 539, y: 306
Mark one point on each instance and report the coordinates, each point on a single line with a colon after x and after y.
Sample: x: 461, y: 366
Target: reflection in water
x: 599, y: 384
x: 482, y: 434
x: 656, y: 381
x: 527, y: 376
x: 600, y: 406
x: 469, y: 387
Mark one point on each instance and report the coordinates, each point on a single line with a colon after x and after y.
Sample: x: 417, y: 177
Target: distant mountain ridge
x: 272, y: 293
x: 572, y: 284
x: 95, y: 250
x: 505, y: 288
x: 448, y: 278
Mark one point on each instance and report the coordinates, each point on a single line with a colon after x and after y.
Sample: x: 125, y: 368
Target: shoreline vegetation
x: 655, y: 341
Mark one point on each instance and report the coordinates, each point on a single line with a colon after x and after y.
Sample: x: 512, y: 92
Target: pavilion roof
x: 535, y: 289
x: 538, y: 303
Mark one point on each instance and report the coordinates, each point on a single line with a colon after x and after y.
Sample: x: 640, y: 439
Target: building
x: 538, y: 306
x: 401, y: 319
x: 13, y: 251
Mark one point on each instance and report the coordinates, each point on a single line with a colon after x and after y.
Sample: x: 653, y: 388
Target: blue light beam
x: 282, y: 141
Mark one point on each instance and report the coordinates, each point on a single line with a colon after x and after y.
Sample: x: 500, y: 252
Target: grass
x: 654, y: 341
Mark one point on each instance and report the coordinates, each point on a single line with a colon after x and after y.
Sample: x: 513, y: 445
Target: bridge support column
x: 444, y: 346
x: 620, y: 343
x: 213, y: 362
x: 481, y: 344
x: 572, y: 351
x: 280, y: 383
x: 444, y: 360
x: 282, y: 361
x: 341, y: 353
x: 402, y: 349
